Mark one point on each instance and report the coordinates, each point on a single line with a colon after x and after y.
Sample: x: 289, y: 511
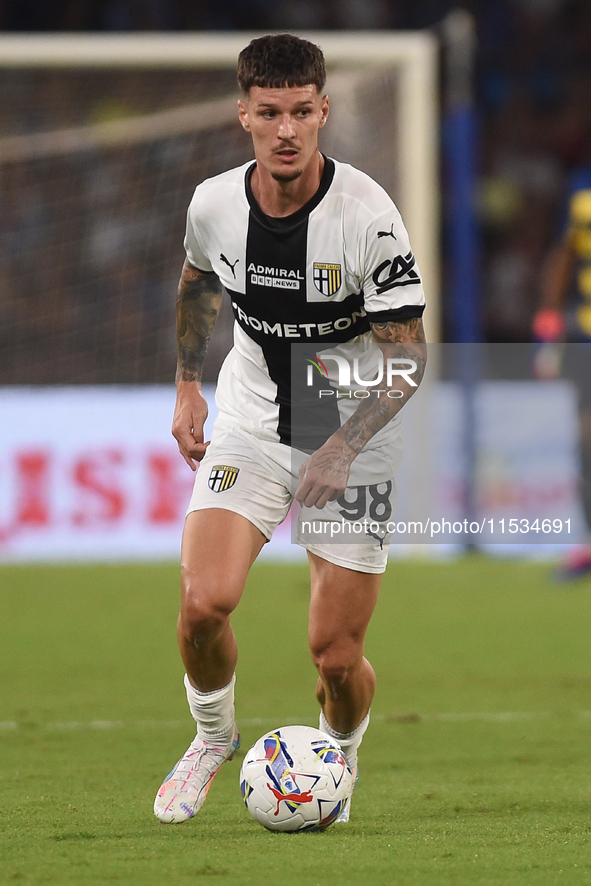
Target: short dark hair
x: 279, y: 60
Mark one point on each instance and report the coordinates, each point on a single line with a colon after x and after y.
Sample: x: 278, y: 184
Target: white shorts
x: 258, y: 478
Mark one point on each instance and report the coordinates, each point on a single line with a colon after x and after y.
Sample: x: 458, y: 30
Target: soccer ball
x: 295, y: 779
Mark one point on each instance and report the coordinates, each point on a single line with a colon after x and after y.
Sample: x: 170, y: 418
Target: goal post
x: 103, y: 138
x: 412, y: 56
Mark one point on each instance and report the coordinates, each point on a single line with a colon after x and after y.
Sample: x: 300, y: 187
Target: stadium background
x: 91, y: 239
x: 532, y: 87
x: 476, y: 767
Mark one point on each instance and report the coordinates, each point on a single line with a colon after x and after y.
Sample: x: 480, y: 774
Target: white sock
x: 213, y: 711
x: 348, y: 741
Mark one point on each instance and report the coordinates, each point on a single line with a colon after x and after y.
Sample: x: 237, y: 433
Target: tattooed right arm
x: 197, y: 308
x: 198, y: 305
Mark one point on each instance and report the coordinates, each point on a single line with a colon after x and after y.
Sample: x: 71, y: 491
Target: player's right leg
x: 219, y: 546
x: 218, y: 549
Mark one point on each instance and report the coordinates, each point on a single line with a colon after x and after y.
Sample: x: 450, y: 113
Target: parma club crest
x: 222, y: 477
x: 327, y: 277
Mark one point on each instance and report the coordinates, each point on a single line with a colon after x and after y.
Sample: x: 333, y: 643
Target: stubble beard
x: 286, y: 176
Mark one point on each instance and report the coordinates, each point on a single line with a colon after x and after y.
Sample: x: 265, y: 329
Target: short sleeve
x: 193, y: 242
x: 392, y: 285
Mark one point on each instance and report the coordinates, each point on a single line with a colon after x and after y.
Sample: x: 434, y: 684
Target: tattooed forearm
x: 409, y: 336
x: 399, y: 332
x: 403, y: 340
x: 197, y: 308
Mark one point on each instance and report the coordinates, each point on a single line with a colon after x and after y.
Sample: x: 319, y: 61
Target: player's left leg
x: 342, y: 603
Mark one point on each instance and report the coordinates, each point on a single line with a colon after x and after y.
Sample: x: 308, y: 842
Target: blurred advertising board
x: 93, y: 473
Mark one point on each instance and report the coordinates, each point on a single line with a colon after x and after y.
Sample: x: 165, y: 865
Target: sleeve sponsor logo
x: 327, y: 277
x: 400, y: 271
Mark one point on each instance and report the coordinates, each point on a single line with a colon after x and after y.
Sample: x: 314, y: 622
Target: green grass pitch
x: 475, y: 770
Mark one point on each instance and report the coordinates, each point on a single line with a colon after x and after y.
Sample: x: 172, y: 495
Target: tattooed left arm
x: 325, y: 474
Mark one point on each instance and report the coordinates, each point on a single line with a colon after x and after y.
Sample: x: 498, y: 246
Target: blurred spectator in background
x: 78, y: 313
x: 564, y: 316
x: 533, y: 94
x: 534, y: 104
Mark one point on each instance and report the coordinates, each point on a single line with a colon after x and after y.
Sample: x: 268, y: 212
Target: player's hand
x: 325, y: 475
x: 189, y: 418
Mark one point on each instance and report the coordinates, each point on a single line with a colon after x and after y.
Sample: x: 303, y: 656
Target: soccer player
x: 564, y: 315
x: 311, y: 251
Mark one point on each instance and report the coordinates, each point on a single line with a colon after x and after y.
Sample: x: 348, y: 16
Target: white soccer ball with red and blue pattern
x: 295, y: 779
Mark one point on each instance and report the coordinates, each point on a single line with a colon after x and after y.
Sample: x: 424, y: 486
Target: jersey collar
x: 290, y: 221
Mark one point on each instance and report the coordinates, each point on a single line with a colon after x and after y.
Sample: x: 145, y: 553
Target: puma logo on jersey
x: 398, y: 272
x: 389, y: 233
x: 230, y: 265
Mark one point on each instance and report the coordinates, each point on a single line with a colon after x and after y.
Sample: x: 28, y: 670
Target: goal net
x: 102, y: 141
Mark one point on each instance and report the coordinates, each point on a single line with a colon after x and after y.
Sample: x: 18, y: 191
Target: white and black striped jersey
x: 315, y: 277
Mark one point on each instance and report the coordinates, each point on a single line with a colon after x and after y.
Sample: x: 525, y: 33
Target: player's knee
x: 335, y: 671
x: 335, y: 661
x: 201, y: 619
x: 205, y: 609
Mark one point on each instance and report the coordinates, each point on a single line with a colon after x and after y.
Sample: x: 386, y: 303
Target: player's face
x: 284, y: 125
